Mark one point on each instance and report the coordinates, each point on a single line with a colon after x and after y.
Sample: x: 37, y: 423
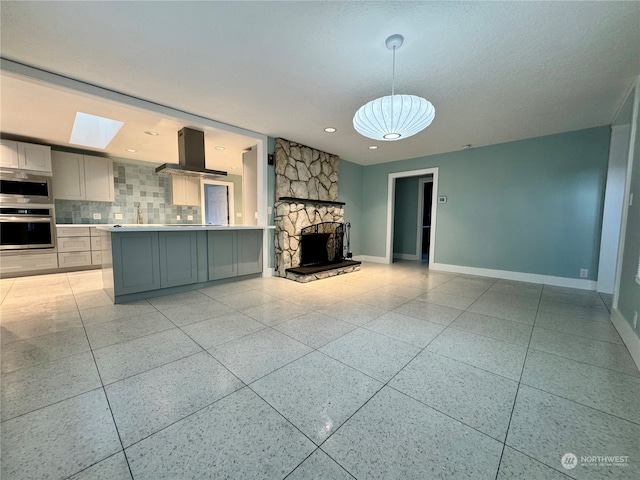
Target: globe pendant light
x: 393, y: 117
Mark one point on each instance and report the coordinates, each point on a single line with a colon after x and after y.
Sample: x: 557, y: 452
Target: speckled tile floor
x: 393, y: 372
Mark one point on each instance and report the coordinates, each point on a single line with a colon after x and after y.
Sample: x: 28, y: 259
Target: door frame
x: 421, y: 182
x: 230, y: 192
x: 391, y: 191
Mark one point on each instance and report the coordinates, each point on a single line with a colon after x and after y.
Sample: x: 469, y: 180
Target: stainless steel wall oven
x: 19, y: 188
x: 26, y: 227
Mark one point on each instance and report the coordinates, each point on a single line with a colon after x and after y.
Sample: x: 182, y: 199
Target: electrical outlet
x: 117, y: 216
x: 189, y: 217
x: 178, y: 217
x: 584, y: 272
x: 97, y: 216
x: 635, y: 320
x: 269, y: 210
x: 239, y: 215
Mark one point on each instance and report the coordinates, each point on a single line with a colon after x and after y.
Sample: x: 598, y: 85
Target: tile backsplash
x: 136, y: 185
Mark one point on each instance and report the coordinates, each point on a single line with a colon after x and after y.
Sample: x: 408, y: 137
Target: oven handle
x: 27, y: 218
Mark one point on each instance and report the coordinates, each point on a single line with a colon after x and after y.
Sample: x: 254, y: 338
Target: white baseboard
x: 518, y: 276
x: 406, y: 256
x: 629, y: 337
x: 369, y: 258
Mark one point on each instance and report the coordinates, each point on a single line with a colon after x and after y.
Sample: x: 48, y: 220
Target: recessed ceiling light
x: 131, y: 150
x: 152, y: 133
x: 93, y: 131
x: 219, y: 148
x: 373, y: 147
x: 330, y: 130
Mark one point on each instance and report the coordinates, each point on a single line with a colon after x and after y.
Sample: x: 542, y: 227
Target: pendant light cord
x: 393, y: 86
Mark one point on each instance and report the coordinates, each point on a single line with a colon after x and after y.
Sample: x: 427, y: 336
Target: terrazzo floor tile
x: 430, y: 312
x: 223, y: 289
x: 315, y: 329
x: 353, y: 312
x: 504, y: 311
x: 30, y: 388
x: 45, y: 348
x: 547, y: 427
x: 113, y: 468
x: 570, y: 291
x: 495, y: 356
x: 579, y: 326
x: 603, y: 354
x: 241, y: 301
x: 377, y: 355
x: 316, y: 393
x: 108, y: 313
x: 196, y: 312
x: 385, y: 301
x: 319, y: 466
x: 59, y: 440
x: 477, y: 398
x: 394, y: 436
x: 463, y: 290
x: 506, y: 330
x: 407, y: 329
x: 36, y: 327
x: 574, y: 299
x: 399, y: 291
x: 258, y: 354
x: 597, y: 314
x: 310, y: 299
x: 447, y: 299
x: 184, y: 298
x: 529, y: 303
x: 239, y: 436
x: 605, y: 390
x: 222, y: 329
x: 125, y: 359
x: 92, y: 298
x: 516, y: 288
x: 117, y: 331
x: 517, y: 465
x: 275, y: 312
x: 34, y: 312
x: 145, y: 403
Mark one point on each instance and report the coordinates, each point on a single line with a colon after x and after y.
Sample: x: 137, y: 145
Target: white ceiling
x: 495, y: 71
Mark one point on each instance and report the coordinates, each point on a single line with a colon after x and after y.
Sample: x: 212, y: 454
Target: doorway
x: 217, y: 202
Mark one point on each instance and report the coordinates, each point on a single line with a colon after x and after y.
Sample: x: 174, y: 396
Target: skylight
x: 93, y: 131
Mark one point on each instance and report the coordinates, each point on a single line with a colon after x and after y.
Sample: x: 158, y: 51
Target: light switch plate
x: 117, y: 216
x: 189, y: 217
x: 97, y: 216
x: 442, y: 199
x: 178, y: 217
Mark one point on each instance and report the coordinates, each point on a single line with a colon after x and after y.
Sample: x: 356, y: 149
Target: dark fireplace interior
x: 321, y: 244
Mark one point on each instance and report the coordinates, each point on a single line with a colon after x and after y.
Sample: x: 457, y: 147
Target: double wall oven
x: 27, y: 219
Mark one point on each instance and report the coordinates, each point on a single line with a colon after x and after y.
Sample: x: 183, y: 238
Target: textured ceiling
x: 495, y: 71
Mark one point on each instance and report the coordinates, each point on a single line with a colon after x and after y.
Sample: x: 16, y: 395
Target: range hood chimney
x: 190, y: 157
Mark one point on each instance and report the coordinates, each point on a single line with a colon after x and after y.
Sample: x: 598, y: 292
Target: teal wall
x: 405, y: 216
x: 532, y: 206
x: 629, y: 295
x: 350, y: 192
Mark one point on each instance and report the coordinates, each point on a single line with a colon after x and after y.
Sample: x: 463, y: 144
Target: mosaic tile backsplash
x: 135, y: 186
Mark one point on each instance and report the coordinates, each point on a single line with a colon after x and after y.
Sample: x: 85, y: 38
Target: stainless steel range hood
x: 190, y: 157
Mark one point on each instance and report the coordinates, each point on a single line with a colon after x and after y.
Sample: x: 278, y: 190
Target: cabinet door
x: 9, y: 154
x: 249, y: 251
x: 222, y: 254
x: 185, y: 191
x: 34, y: 157
x: 68, y: 176
x: 136, y: 262
x: 178, y: 258
x: 98, y: 176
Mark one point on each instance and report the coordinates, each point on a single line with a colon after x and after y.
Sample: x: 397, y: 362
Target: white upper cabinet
x: 82, y: 177
x: 185, y: 190
x: 25, y: 156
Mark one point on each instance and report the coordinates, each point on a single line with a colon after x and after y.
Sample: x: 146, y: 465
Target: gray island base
x: 148, y: 261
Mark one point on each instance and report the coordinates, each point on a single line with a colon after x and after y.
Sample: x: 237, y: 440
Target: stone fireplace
x: 309, y: 220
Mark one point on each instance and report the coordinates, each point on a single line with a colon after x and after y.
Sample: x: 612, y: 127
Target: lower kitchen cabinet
x: 29, y: 262
x: 178, y: 258
x: 136, y: 262
x: 222, y: 254
x: 249, y: 252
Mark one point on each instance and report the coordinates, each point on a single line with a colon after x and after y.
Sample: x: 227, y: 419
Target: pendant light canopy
x: 393, y: 117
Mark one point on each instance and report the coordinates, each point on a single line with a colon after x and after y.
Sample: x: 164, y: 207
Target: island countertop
x: 177, y: 227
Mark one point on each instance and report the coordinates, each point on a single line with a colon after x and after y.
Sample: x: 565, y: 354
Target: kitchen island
x: 143, y: 261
